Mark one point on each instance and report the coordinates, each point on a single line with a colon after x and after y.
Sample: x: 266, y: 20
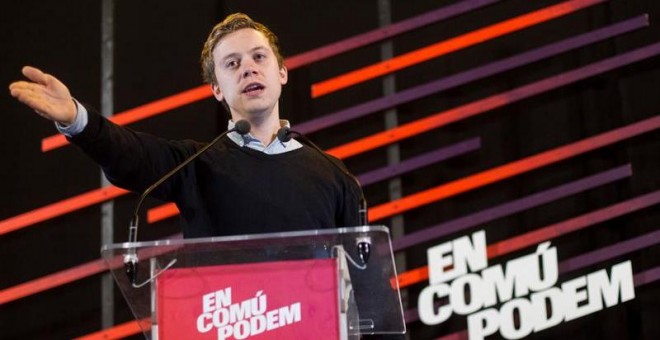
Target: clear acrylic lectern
x: 329, y: 283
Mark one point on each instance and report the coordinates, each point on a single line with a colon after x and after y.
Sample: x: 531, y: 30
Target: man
x: 245, y: 184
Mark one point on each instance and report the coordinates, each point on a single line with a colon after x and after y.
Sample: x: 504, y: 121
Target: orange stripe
x: 72, y: 274
x: 418, y: 126
x: 59, y: 208
x: 412, y: 276
x: 573, y: 224
x: 140, y: 112
x: 119, y: 331
x: 448, y: 46
x: 511, y: 169
x: 50, y: 281
x: 161, y: 212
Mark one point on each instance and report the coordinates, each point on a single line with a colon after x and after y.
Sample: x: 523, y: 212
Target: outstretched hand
x: 48, y: 96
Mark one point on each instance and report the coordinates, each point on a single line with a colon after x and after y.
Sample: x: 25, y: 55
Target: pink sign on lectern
x: 269, y: 300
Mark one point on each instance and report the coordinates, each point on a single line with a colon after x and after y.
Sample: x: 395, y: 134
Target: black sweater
x: 229, y: 190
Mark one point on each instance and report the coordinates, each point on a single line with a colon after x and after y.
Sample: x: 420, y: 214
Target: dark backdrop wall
x: 157, y: 45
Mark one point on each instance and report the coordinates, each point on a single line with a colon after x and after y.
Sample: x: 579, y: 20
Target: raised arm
x: 130, y: 159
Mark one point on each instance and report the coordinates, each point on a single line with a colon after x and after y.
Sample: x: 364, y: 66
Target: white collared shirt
x: 275, y: 147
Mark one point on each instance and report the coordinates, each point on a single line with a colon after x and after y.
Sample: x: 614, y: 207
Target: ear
x: 217, y: 92
x: 284, y: 75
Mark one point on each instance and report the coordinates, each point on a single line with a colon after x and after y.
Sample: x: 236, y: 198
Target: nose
x: 249, y: 70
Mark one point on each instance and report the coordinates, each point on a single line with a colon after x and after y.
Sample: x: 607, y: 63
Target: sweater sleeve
x: 132, y: 160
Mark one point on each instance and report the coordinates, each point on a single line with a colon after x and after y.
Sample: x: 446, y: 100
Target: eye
x: 259, y: 56
x: 231, y: 64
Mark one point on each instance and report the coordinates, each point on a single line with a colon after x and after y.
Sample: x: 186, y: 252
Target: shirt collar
x: 275, y: 147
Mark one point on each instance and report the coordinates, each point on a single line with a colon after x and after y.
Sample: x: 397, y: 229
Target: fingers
x: 38, y: 78
x: 22, y: 91
x: 30, y: 94
x: 34, y: 101
x: 35, y: 75
x: 18, y: 88
x: 23, y: 88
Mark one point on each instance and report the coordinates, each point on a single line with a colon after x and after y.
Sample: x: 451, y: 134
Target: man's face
x: 249, y: 78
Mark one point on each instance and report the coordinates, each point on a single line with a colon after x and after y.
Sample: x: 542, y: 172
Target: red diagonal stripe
x: 448, y: 46
x: 140, y: 112
x: 511, y: 169
x: 51, y: 281
x: 60, y: 208
x: 119, y: 331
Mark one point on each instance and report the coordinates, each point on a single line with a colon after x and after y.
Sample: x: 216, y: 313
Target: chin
x: 259, y: 110
x: 256, y: 113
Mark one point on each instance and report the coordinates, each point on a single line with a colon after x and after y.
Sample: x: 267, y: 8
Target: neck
x: 263, y: 128
x: 266, y: 131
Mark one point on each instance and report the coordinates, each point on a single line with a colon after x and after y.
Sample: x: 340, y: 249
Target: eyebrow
x: 236, y: 54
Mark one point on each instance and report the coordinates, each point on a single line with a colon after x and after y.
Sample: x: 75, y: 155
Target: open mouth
x: 253, y: 88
